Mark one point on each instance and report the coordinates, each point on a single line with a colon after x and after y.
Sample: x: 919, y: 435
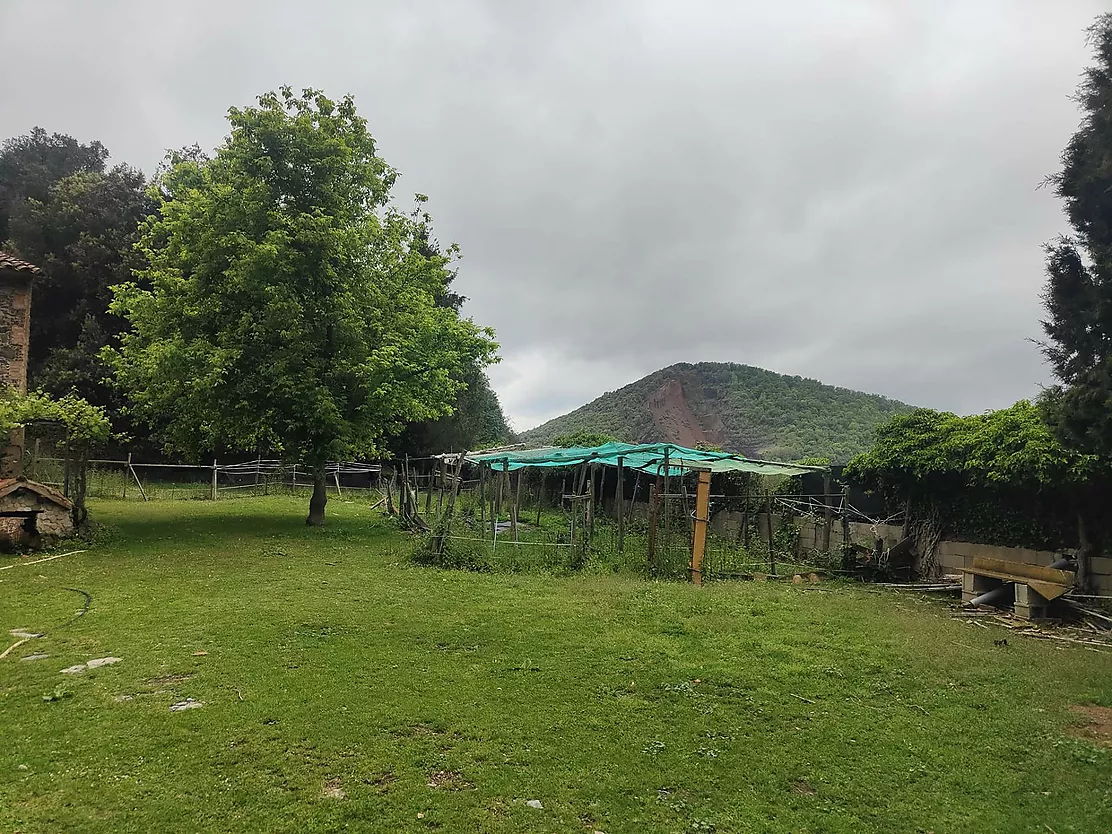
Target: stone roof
x: 12, y: 262
x: 10, y: 485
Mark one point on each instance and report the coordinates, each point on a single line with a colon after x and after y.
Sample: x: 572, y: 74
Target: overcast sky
x: 841, y: 190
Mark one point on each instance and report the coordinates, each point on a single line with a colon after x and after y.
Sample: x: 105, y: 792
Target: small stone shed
x: 30, y: 512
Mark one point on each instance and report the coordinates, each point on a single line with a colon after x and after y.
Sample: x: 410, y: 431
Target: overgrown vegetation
x: 763, y: 414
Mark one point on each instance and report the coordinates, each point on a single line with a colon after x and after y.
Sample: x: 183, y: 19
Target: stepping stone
x: 188, y: 703
x: 102, y: 661
x: 35, y: 657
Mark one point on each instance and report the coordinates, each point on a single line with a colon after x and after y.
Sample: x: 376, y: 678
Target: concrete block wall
x: 951, y: 554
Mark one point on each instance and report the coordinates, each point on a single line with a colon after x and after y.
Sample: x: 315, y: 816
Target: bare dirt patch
x: 333, y: 789
x: 1097, y: 724
x: 449, y: 780
x: 169, y: 680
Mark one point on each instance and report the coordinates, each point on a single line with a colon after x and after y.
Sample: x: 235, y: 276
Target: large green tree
x: 1078, y: 293
x: 289, y: 307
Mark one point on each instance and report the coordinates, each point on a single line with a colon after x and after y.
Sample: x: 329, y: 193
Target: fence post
x: 828, y: 512
x: 213, y: 496
x: 127, y: 471
x: 702, y: 516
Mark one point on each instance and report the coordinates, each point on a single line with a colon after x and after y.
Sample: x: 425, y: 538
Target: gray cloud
x: 845, y: 191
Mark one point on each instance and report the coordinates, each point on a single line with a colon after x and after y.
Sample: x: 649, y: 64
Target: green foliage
x: 83, y: 235
x: 761, y: 413
x: 476, y: 422
x: 84, y: 423
x: 289, y: 306
x: 439, y: 551
x: 1001, y: 477
x: 32, y: 163
x: 927, y: 449
x: 1078, y: 293
x: 584, y: 439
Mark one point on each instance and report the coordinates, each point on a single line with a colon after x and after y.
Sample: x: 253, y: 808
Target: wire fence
x: 127, y: 479
x: 551, y: 521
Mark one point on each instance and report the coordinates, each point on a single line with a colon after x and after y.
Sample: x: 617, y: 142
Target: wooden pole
x: 667, y: 489
x: 442, y: 468
x: 517, y: 504
x: 540, y: 496
x: 702, y: 516
x: 213, y: 496
x: 654, y: 508
x: 428, y: 492
x: 828, y: 513
x: 135, y: 475
x: 482, y: 498
x: 589, y: 517
x: 495, y: 485
x: 845, y: 516
x: 745, y: 515
x: 619, y: 501
x: 125, y: 473
x: 636, y: 488
x: 768, y: 525
x: 336, y: 478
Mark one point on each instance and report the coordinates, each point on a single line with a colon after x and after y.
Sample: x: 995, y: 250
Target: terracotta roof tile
x: 12, y: 262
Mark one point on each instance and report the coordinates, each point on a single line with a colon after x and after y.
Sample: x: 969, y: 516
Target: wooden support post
x: 667, y: 506
x: 654, y: 512
x: 503, y: 478
x: 702, y: 516
x: 443, y: 480
x: 428, y: 493
x: 845, y: 516
x: 540, y: 496
x: 745, y: 515
x: 135, y: 475
x: 336, y: 478
x: 517, y: 504
x: 633, y: 498
x: 482, y: 498
x: 619, y: 504
x: 768, y: 525
x: 495, y: 485
x: 589, y: 517
x: 828, y: 513
x: 126, y: 473
x: 213, y: 495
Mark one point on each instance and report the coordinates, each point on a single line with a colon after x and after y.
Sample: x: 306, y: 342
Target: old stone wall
x: 15, y: 327
x: 53, y: 521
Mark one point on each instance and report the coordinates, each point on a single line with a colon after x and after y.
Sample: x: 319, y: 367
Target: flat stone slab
x: 92, y: 664
x: 35, y: 657
x: 24, y: 634
x: 188, y: 703
x: 103, y: 661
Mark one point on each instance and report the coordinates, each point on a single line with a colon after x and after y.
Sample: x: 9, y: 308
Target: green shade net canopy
x: 646, y: 458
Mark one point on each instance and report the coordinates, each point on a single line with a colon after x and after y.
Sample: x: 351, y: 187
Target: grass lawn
x: 344, y: 688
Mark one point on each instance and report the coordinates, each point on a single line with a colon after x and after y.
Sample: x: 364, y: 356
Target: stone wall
x: 15, y: 327
x: 53, y: 521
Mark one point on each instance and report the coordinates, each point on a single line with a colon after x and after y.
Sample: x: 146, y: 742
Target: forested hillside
x: 738, y: 407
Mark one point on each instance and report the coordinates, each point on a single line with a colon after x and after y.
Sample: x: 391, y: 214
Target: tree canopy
x: 287, y: 305
x: 32, y: 163
x: 1078, y: 293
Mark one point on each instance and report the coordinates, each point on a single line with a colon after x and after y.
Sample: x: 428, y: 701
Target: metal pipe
x: 997, y: 597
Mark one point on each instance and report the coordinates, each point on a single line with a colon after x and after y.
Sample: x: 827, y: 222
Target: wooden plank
x: 984, y: 565
x: 619, y: 504
x: 702, y: 512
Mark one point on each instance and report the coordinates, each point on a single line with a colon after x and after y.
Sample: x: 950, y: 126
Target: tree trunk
x: 319, y: 499
x: 1087, y: 548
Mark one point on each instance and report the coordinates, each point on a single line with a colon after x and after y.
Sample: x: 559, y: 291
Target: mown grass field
x: 346, y: 689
